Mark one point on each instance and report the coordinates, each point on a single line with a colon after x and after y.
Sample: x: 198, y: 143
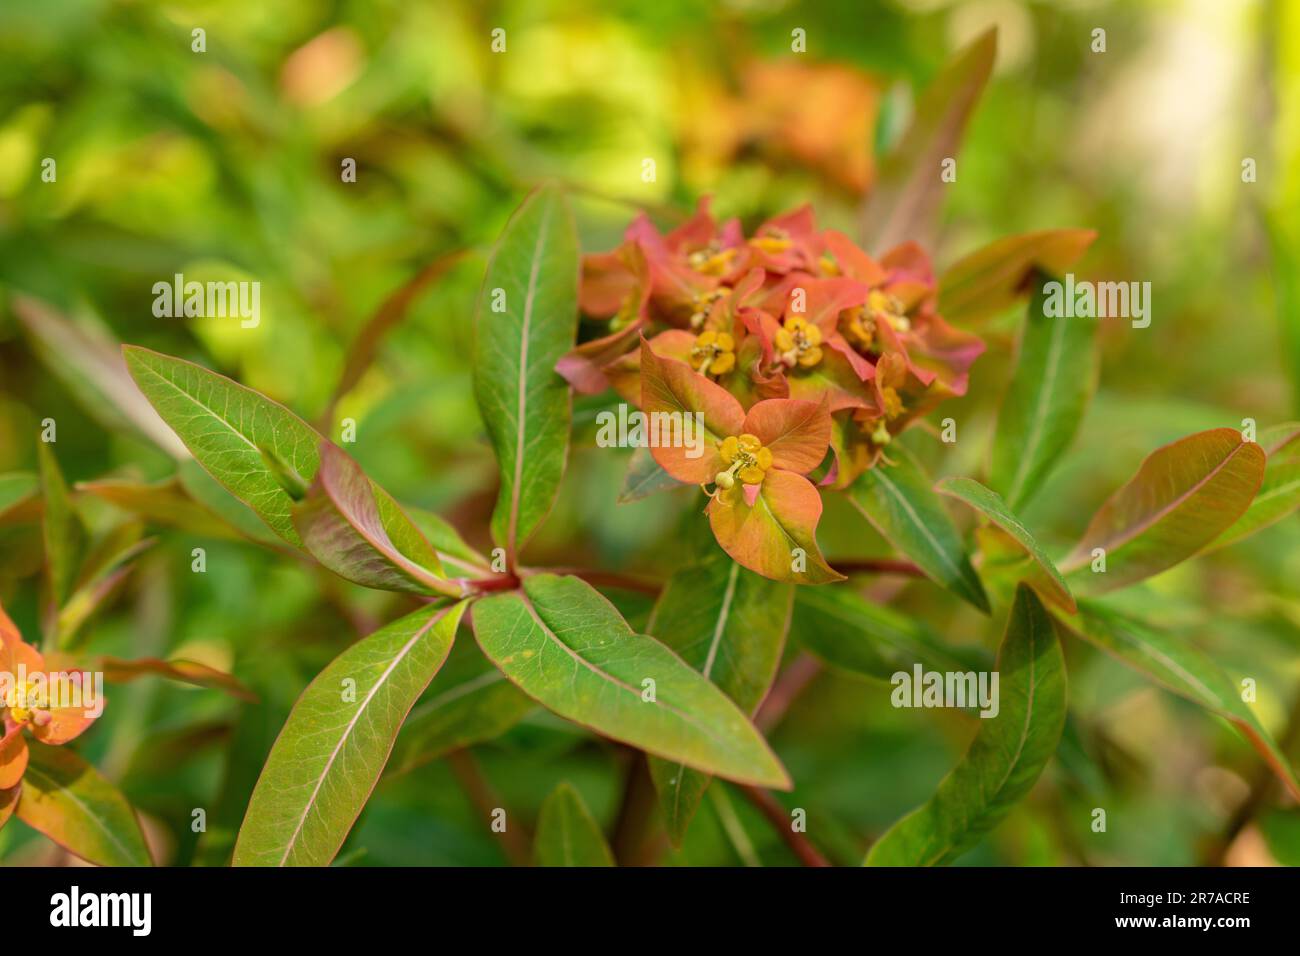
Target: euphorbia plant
x: 812, y: 360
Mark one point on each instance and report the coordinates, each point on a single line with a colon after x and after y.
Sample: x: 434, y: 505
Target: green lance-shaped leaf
x: 567, y: 647
x: 1179, y: 666
x: 232, y: 431
x: 909, y: 190
x: 469, y: 702
x: 730, y: 625
x: 860, y: 637
x: 1005, y: 758
x: 1055, y: 374
x: 344, y: 522
x: 70, y: 802
x: 567, y: 833
x: 1183, y: 497
x: 337, y: 739
x: 163, y: 502
x: 527, y: 320
x: 1051, y: 585
x: 899, y: 501
x: 990, y: 279
x: 268, y: 458
x: 65, y: 537
x: 1279, y: 494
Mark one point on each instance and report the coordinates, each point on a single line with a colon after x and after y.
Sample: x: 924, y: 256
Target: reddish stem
x: 780, y: 819
x: 879, y: 566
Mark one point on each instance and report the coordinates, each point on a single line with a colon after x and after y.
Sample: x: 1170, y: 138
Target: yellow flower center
x: 712, y: 260
x: 889, y: 309
x: 714, y: 353
x: 859, y: 328
x: 828, y: 266
x: 774, y: 242
x: 702, y: 303
x: 28, y: 705
x: 798, y: 342
x: 747, y: 459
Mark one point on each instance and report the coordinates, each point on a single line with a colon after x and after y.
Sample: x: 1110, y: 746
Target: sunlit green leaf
x: 527, y: 319
x: 567, y: 647
x: 338, y: 738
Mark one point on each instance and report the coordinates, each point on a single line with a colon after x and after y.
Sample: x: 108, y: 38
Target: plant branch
x: 777, y: 815
x: 514, y: 841
x: 878, y: 566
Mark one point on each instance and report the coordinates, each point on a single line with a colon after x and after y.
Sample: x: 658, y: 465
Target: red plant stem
x: 878, y: 566
x: 514, y: 841
x: 780, y: 819
x: 498, y: 582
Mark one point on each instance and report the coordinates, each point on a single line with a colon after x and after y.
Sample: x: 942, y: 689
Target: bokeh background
x: 226, y: 164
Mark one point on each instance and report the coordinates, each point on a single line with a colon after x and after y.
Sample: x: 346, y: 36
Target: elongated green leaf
x: 898, y: 500
x: 1005, y: 758
x: 117, y: 670
x: 266, y: 456
x: 909, y: 190
x: 527, y: 319
x: 567, y: 833
x: 730, y: 625
x: 991, y: 505
x: 1055, y: 374
x: 871, y: 640
x: 990, y: 279
x: 337, y: 739
x: 1179, y: 666
x: 231, y: 430
x: 567, y: 647
x: 70, y: 802
x: 470, y: 701
x: 218, y: 499
x: 451, y: 548
x: 65, y: 537
x: 1182, y: 498
x: 344, y: 523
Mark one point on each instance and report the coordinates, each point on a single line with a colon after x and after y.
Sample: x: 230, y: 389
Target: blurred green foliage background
x: 226, y: 164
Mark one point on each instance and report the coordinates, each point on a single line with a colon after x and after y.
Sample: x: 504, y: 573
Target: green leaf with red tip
x: 566, y: 646
x: 992, y: 278
x: 532, y: 279
x: 775, y: 534
x: 567, y: 833
x: 672, y: 389
x: 334, y: 746
x: 904, y: 205
x: 990, y: 504
x: 118, y: 670
x: 730, y: 625
x: 1006, y: 757
x: 1178, y: 666
x: 1056, y: 371
x: 74, y: 805
x: 901, y: 504
x: 1183, y: 497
